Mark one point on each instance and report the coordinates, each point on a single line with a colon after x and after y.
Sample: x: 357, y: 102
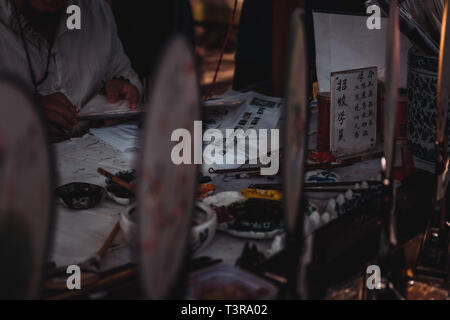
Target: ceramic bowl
x: 320, y: 176
x: 80, y: 196
x: 422, y: 92
x: 202, y: 233
x: 204, y: 228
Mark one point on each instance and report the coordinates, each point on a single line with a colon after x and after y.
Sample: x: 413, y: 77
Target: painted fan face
x: 25, y: 194
x: 391, y: 103
x: 166, y: 191
x: 296, y: 122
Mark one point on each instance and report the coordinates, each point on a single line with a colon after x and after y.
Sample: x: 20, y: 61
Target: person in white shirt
x: 65, y: 68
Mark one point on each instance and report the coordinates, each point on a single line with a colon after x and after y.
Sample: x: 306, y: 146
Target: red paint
x: 323, y: 123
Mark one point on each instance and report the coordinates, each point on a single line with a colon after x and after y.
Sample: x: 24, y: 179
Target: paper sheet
x: 344, y: 42
x: 79, y: 234
x: 123, y: 137
x: 99, y: 107
x: 353, y: 111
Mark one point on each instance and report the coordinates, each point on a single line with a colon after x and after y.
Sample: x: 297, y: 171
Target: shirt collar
x: 8, y: 18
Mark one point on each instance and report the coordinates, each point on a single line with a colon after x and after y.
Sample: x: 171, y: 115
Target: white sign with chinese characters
x: 353, y: 111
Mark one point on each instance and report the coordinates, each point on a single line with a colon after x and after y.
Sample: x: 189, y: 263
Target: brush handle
x: 108, y: 242
x: 115, y: 179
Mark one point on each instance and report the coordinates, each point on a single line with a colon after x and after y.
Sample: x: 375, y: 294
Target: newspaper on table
x: 124, y: 137
x: 257, y: 112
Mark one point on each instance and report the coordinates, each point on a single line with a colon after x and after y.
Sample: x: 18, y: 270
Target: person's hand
x: 118, y: 89
x: 60, y: 113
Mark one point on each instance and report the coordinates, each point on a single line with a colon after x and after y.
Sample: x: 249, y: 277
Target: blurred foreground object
x: 26, y: 202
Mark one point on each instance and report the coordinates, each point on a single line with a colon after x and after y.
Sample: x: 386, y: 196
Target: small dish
x: 117, y: 193
x: 202, y: 231
x: 320, y: 176
x: 254, y: 218
x: 204, y: 227
x: 80, y: 196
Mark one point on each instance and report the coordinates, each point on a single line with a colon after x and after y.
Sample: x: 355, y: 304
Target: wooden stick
x: 114, y: 278
x: 330, y: 190
x: 109, y: 240
x: 340, y: 183
x: 221, y: 171
x: 115, y: 179
x: 326, y: 166
x: 361, y: 158
x: 278, y: 186
x: 266, y: 186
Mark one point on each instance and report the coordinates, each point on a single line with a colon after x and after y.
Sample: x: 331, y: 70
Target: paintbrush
x: 93, y: 264
x: 339, y: 184
x: 90, y: 267
x: 106, y: 282
x: 428, y: 14
x: 266, y: 186
x: 116, y: 179
x: 222, y: 171
x: 326, y: 166
x: 278, y: 186
x: 331, y: 190
x: 309, y: 167
x: 413, y: 30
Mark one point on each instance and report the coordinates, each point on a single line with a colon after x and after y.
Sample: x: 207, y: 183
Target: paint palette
x: 253, y: 218
x: 320, y: 176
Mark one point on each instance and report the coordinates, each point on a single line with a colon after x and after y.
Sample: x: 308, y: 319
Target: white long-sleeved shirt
x: 82, y: 61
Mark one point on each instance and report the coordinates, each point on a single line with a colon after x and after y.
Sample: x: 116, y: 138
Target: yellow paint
x: 262, y: 194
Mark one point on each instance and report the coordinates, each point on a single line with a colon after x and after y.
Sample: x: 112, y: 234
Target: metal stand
x: 390, y: 260
x: 433, y: 261
x: 434, y: 256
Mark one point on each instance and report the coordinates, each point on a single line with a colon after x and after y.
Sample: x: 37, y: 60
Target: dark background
x: 255, y: 51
